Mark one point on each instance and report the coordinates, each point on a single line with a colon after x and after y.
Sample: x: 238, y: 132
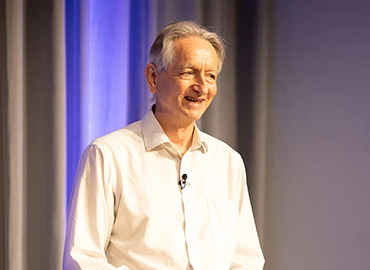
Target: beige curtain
x: 32, y: 67
x: 32, y: 134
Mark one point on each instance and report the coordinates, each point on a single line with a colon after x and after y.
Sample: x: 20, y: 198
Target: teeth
x: 193, y: 99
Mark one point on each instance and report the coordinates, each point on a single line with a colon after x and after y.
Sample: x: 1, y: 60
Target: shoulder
x: 115, y: 146
x: 120, y: 138
x: 114, y: 150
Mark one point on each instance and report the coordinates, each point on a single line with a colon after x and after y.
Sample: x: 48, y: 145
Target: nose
x: 200, y: 85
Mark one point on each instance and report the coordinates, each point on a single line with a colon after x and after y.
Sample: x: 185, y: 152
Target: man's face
x: 187, y: 87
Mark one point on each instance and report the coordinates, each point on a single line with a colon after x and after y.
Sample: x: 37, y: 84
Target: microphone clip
x: 183, y: 183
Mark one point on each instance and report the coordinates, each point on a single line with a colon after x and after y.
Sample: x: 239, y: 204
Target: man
x: 160, y: 194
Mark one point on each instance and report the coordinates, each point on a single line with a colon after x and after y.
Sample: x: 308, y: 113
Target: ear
x: 151, y: 76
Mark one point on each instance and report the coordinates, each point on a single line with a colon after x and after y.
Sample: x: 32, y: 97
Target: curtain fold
x: 34, y: 144
x: 259, y: 123
x: 3, y: 138
x: 13, y: 145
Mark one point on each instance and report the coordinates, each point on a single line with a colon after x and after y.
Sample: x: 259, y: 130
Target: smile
x: 194, y: 99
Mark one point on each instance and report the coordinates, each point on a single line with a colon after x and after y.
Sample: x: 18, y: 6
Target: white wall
x: 318, y: 203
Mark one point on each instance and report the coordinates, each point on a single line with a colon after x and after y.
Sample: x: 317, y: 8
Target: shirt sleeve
x: 248, y: 254
x: 91, y: 215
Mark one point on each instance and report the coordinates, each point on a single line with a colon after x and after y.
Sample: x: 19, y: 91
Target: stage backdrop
x: 292, y: 99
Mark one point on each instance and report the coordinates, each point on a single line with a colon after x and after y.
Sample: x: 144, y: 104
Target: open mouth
x: 194, y: 99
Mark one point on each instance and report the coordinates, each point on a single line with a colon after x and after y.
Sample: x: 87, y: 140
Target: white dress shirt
x: 128, y: 211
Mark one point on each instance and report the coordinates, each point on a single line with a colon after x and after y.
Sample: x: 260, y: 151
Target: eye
x: 188, y: 73
x: 211, y: 76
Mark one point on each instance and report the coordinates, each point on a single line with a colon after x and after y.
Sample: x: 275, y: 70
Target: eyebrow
x: 195, y: 68
x: 187, y: 66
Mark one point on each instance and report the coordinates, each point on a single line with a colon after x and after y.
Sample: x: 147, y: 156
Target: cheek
x: 164, y: 89
x: 212, y: 91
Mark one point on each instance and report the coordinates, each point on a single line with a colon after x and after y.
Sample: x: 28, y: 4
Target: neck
x: 180, y: 134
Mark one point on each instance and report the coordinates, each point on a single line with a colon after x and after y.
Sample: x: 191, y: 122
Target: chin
x: 196, y: 117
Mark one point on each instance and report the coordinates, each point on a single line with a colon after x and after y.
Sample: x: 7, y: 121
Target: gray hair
x: 161, y: 52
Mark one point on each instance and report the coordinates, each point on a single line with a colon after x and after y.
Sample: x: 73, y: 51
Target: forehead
x: 195, y: 49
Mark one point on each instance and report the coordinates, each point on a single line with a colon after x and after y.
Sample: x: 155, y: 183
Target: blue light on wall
x: 106, y: 48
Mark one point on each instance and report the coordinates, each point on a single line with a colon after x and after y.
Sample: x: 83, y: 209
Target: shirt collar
x: 198, y: 142
x: 154, y: 135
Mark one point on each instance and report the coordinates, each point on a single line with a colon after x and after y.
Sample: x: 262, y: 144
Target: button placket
x: 189, y: 203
